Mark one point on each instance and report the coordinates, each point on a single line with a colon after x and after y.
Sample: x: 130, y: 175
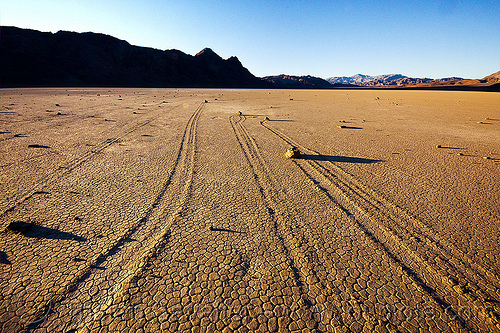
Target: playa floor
x: 153, y: 210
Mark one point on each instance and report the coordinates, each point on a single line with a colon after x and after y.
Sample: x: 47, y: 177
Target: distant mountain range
x: 384, y: 80
x: 489, y: 83
x: 30, y: 58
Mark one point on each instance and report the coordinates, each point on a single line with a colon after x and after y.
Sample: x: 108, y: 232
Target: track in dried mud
x: 437, y: 267
x: 405, y: 240
x: 56, y: 174
x: 224, y: 233
x: 111, y: 270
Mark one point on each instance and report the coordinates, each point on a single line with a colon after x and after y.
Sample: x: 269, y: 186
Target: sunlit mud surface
x: 176, y: 210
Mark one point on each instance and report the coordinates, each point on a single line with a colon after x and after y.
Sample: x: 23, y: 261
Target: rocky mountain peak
x: 30, y: 58
x: 208, y: 53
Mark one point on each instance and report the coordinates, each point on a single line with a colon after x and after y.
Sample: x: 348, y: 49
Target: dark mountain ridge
x: 30, y: 58
x: 297, y: 82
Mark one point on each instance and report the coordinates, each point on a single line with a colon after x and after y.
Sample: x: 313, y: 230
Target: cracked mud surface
x: 152, y: 210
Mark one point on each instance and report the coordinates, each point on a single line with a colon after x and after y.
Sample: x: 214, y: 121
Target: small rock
x: 293, y: 152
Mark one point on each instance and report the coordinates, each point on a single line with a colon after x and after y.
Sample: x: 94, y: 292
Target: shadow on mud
x: 457, y: 148
x: 226, y: 230
x: 351, y: 127
x: 4, y: 258
x: 254, y: 115
x: 343, y: 159
x: 38, y: 146
x: 35, y: 231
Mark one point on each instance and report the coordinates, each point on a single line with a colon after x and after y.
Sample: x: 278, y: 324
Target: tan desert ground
x: 148, y: 210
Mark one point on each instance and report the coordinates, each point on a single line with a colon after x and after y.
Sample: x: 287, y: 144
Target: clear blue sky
x: 321, y: 38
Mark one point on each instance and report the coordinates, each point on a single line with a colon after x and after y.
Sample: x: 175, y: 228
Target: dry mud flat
x: 147, y: 210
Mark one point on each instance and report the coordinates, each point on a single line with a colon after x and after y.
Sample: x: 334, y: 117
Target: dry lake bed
x: 151, y: 210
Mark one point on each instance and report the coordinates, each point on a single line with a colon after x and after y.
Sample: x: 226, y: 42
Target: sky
x: 321, y: 38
